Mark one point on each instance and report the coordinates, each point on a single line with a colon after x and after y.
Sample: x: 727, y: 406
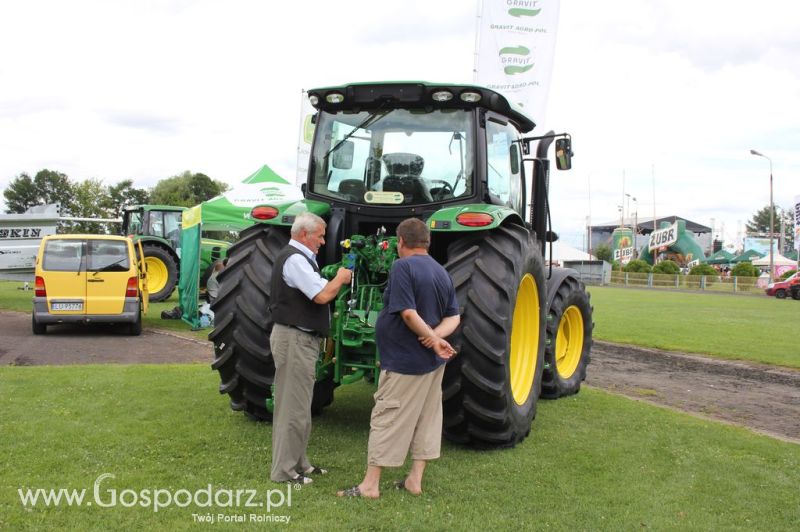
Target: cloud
x: 152, y: 123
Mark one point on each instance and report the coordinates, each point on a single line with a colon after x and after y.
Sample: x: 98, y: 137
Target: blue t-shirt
x: 416, y: 282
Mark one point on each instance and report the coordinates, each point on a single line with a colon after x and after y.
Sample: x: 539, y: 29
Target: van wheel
x: 38, y: 328
x: 135, y: 328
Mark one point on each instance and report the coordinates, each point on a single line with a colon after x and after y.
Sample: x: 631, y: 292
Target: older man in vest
x: 299, y: 306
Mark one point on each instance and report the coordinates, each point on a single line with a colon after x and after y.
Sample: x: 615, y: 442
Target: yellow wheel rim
x: 157, y: 274
x: 569, y: 342
x: 524, y: 339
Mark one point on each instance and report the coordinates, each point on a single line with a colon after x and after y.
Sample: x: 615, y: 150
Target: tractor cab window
x: 132, y: 222
x: 394, y: 157
x: 172, y: 227
x: 155, y: 224
x: 503, y: 165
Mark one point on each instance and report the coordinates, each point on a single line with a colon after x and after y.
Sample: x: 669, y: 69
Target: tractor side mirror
x: 564, y: 154
x: 343, y: 156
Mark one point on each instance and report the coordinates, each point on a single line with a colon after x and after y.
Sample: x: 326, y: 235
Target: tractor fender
x: 287, y: 212
x: 446, y: 220
x: 555, y: 280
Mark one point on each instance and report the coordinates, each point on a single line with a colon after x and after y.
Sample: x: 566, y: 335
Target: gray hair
x: 308, y: 222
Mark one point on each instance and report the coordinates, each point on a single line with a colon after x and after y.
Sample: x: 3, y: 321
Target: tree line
x: 91, y: 198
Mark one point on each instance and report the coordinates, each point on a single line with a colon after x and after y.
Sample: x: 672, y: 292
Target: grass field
x: 760, y: 329
x: 593, y: 461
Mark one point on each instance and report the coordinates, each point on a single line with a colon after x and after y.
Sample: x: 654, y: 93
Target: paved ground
x: 95, y: 344
x: 762, y: 397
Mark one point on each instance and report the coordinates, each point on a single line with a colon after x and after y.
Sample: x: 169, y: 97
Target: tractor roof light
x: 313, y: 99
x: 474, y: 219
x: 442, y: 96
x: 334, y: 97
x: 264, y: 213
x: 470, y: 96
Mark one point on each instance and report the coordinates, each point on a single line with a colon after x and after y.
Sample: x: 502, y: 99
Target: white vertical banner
x: 304, y: 139
x: 797, y: 224
x: 514, y: 50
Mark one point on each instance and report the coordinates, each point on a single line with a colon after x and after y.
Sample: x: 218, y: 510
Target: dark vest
x: 290, y: 306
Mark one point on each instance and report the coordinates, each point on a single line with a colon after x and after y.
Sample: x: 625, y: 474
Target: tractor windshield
x: 394, y: 157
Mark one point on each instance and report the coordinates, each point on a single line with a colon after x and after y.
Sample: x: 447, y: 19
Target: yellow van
x: 89, y: 278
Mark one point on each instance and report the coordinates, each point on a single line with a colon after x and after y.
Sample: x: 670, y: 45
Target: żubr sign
x: 663, y: 238
x: 623, y: 255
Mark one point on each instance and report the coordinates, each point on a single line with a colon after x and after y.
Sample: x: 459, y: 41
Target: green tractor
x: 159, y: 229
x: 451, y: 155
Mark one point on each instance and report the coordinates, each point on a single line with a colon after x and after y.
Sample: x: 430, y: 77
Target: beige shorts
x: 407, y: 416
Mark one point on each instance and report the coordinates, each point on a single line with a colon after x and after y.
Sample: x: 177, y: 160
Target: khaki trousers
x: 407, y: 415
x: 295, y: 353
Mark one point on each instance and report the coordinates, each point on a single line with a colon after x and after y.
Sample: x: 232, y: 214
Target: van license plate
x: 67, y: 306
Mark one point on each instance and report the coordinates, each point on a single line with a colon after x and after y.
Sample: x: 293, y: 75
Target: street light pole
x: 771, y: 216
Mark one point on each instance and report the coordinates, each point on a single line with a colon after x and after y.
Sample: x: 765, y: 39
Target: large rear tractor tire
x: 569, y: 340
x: 491, y: 387
x: 243, y: 324
x: 162, y: 272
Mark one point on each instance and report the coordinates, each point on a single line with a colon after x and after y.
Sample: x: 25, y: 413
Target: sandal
x: 401, y: 485
x: 349, y: 492
x: 300, y: 479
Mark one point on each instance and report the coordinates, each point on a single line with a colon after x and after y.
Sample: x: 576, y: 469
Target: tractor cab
x: 383, y: 152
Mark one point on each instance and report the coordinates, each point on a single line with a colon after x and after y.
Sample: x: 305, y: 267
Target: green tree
x: 124, y: 193
x: 703, y: 269
x: 603, y: 252
x: 745, y: 269
x: 46, y: 186
x: 89, y: 200
x: 637, y: 266
x: 20, y: 194
x: 186, y: 190
x: 759, y: 224
x: 669, y: 267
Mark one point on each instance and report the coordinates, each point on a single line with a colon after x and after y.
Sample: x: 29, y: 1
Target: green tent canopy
x: 720, y: 257
x: 265, y: 174
x: 230, y: 211
x: 748, y: 255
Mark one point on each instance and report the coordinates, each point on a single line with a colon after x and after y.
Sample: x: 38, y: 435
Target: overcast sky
x: 671, y: 95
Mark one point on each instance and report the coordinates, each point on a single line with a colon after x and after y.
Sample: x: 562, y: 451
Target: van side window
x: 62, y: 256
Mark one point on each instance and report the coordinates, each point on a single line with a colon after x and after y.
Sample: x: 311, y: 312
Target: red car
x: 780, y: 289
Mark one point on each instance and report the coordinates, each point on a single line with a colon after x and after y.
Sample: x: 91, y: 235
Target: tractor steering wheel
x: 443, y: 191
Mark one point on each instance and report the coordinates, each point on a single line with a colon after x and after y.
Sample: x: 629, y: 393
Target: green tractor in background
x: 159, y: 229
x: 451, y: 155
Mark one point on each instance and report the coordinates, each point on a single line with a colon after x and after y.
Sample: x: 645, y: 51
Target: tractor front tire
x: 242, y: 354
x: 569, y: 340
x: 491, y: 387
x: 162, y: 272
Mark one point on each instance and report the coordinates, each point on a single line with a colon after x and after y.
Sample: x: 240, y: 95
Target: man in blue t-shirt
x: 420, y: 311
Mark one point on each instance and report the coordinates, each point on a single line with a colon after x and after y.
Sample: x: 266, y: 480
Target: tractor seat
x: 354, y: 189
x: 404, y: 171
x: 404, y: 164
